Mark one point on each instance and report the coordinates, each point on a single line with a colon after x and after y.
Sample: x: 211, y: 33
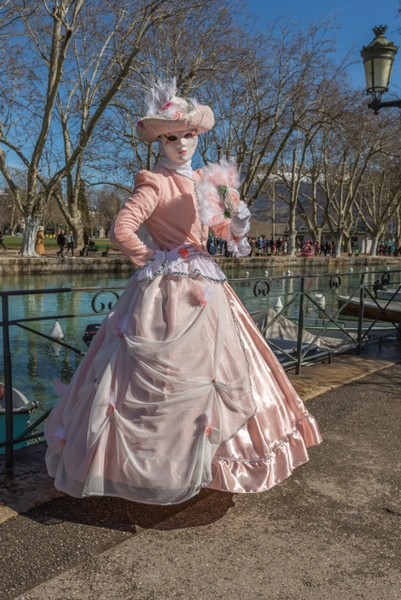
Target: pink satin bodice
x: 166, y: 201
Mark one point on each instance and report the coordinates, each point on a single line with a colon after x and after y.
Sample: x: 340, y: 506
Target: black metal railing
x: 98, y: 307
x: 354, y: 313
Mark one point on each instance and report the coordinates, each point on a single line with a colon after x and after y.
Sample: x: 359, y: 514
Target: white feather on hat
x: 168, y: 113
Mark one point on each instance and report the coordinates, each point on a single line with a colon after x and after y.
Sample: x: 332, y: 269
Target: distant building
x: 268, y: 229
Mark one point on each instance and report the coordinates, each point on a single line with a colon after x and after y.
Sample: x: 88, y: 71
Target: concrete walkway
x: 331, y: 531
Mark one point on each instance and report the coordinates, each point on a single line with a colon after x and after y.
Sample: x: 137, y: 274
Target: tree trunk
x: 292, y: 230
x: 29, y: 237
x: 78, y: 231
x: 347, y: 244
x: 292, y: 243
x: 375, y: 243
x: 339, y: 243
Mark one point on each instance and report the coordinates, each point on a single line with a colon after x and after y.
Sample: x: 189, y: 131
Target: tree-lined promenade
x: 72, y: 85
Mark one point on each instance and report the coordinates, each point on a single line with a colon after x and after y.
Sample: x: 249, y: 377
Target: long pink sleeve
x: 136, y: 210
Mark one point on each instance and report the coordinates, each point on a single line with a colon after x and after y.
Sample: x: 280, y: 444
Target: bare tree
x: 104, y: 204
x: 72, y: 91
x: 69, y: 63
x: 379, y: 199
x: 264, y: 90
x: 198, y: 50
x: 314, y: 108
x: 397, y: 229
x: 339, y: 161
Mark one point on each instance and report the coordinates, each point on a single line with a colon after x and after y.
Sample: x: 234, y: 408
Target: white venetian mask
x: 180, y: 146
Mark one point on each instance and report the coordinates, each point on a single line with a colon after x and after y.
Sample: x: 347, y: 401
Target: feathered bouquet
x: 219, y: 199
x: 217, y: 192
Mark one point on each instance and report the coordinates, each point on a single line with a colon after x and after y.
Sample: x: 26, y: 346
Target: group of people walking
x: 274, y: 247
x: 66, y: 243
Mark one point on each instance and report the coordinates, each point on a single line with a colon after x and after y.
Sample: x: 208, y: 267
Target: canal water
x: 39, y: 364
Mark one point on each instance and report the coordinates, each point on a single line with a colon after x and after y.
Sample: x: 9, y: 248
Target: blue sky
x: 354, y: 17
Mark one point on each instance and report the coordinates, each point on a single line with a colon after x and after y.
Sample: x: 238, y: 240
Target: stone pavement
x: 330, y: 532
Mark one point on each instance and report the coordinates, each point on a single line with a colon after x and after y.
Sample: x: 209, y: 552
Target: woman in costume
x: 40, y: 241
x: 178, y: 391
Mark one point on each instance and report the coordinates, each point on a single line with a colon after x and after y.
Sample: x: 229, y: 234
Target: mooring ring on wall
x: 385, y: 278
x: 334, y: 281
x: 97, y: 308
x: 261, y: 288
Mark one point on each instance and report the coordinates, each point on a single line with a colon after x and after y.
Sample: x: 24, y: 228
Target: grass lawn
x: 13, y: 242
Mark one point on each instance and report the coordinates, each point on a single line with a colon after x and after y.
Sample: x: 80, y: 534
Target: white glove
x: 240, y: 222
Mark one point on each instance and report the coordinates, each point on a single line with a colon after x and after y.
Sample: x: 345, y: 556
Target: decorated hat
x: 167, y: 113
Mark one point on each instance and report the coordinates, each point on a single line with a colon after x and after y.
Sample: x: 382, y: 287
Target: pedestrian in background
x: 61, y: 243
x: 71, y: 245
x: 2, y: 241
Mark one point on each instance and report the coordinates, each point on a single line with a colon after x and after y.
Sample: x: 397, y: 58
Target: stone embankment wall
x: 49, y: 265
x: 118, y: 264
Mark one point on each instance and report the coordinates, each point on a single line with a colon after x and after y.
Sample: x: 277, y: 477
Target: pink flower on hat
x: 178, y: 115
x: 167, y: 106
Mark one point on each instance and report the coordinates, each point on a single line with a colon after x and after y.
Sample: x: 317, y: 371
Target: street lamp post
x: 378, y: 59
x: 92, y: 214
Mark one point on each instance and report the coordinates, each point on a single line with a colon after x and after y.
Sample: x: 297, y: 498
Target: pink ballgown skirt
x: 178, y: 392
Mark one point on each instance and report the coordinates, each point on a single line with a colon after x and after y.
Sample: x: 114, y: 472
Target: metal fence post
x: 361, y: 311
x: 300, y: 327
x: 8, y: 385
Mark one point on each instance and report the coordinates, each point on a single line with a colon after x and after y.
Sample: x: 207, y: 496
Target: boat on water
x: 22, y: 410
x: 393, y: 294
x: 282, y: 333
x: 321, y: 337
x: 372, y: 309
x: 349, y: 327
x: 90, y: 332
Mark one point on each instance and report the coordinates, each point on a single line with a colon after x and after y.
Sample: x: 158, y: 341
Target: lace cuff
x: 240, y: 248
